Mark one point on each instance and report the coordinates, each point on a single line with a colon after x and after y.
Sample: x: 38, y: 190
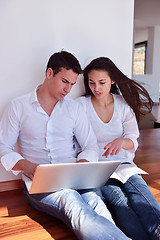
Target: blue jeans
x: 84, y: 212
x: 134, y: 207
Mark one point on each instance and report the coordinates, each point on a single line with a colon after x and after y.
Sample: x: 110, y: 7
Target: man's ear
x: 49, y: 73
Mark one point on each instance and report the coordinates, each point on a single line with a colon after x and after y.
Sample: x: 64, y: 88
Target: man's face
x: 60, y: 84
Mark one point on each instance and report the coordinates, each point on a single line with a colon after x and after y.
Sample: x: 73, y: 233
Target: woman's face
x: 99, y: 83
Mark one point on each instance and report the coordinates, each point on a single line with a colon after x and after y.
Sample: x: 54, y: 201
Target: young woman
x: 113, y: 103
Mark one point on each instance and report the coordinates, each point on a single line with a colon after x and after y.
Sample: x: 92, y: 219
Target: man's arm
x: 26, y: 166
x: 9, y: 132
x: 85, y: 137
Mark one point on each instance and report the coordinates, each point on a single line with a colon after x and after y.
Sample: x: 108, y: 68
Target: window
x: 139, y: 62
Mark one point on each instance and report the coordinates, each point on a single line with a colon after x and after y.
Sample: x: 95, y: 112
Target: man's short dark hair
x: 65, y: 60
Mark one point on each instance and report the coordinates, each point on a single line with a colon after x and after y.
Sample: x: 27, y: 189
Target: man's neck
x: 45, y: 100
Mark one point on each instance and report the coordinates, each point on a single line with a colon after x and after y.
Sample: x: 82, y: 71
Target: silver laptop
x: 84, y: 175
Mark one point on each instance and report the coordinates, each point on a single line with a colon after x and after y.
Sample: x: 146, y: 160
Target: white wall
x: 31, y: 30
x: 140, y: 35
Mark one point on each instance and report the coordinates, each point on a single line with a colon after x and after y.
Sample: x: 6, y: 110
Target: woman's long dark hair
x: 134, y: 94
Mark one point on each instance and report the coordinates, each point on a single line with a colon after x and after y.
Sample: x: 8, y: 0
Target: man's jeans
x: 134, y: 207
x: 85, y: 213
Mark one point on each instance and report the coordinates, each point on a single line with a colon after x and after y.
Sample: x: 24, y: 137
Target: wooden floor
x: 148, y: 158
x: 19, y: 221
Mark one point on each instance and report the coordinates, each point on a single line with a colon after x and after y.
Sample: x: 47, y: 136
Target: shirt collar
x: 33, y: 97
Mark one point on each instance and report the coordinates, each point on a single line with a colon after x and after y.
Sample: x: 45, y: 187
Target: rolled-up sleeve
x: 9, y: 132
x: 130, y: 127
x: 85, y: 137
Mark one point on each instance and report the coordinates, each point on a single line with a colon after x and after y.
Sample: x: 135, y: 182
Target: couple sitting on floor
x: 48, y: 123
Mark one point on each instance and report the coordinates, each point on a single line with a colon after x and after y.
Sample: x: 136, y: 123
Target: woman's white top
x: 123, y: 124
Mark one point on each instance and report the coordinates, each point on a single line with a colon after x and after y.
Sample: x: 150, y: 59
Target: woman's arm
x: 128, y: 140
x: 114, y: 147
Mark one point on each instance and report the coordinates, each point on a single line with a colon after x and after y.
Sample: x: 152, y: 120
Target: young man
x: 46, y: 122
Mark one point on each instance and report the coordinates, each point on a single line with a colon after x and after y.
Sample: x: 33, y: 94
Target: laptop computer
x: 83, y: 175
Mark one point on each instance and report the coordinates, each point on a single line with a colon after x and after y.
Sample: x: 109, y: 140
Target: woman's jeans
x: 134, y: 207
x: 84, y: 212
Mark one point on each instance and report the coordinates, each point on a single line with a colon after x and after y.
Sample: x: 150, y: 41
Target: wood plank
x: 148, y: 158
x: 11, y: 185
x: 37, y: 235
x: 32, y: 226
x: 20, y: 221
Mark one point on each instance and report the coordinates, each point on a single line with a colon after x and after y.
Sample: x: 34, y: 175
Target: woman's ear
x: 112, y: 82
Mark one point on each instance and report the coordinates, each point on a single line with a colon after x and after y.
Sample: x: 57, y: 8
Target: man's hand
x: 82, y: 160
x: 26, y: 166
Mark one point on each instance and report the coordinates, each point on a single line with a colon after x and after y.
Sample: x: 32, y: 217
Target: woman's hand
x: 114, y: 147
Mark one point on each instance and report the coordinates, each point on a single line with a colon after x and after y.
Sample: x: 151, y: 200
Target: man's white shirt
x: 42, y: 138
